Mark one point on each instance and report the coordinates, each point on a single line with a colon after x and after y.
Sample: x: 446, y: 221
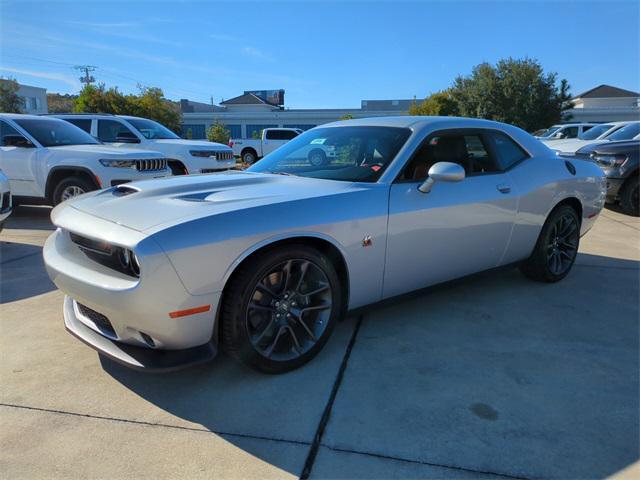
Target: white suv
x: 184, y: 156
x: 48, y: 160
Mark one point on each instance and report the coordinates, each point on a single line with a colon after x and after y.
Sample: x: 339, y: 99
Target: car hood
x: 201, y: 144
x: 151, y: 205
x: 107, y: 151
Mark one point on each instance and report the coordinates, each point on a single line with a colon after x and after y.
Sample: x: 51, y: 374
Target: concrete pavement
x: 491, y: 377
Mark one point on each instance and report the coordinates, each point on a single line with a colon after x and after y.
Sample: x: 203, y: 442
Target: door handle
x: 504, y: 188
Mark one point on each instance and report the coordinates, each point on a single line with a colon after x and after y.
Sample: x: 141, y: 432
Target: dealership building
x: 246, y: 115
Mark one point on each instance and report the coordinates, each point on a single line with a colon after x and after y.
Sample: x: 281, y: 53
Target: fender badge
x: 366, y: 241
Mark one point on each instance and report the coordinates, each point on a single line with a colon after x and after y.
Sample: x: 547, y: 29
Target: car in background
x: 612, y: 131
x: 48, y: 160
x: 250, y: 150
x: 264, y: 262
x: 5, y: 199
x: 564, y: 131
x: 620, y: 162
x: 183, y: 156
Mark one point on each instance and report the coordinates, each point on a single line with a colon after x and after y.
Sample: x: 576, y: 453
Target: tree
x: 150, y: 103
x: 218, y: 133
x: 10, y: 101
x: 439, y: 103
x: 61, y: 103
x: 515, y: 91
x: 346, y: 116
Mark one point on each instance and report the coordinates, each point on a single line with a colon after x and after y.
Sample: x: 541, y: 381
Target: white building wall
x: 35, y: 99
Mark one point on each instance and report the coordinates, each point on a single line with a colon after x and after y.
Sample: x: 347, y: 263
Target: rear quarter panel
x: 542, y: 183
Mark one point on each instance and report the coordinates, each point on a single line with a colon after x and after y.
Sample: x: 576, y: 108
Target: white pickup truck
x: 253, y: 149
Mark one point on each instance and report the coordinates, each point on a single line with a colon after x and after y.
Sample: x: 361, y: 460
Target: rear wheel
x: 280, y: 309
x: 629, y: 197
x: 557, y: 247
x: 317, y: 158
x: 71, y: 187
x: 249, y: 157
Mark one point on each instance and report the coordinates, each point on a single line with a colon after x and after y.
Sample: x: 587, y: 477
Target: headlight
x: 610, y: 161
x: 118, y: 163
x: 128, y: 261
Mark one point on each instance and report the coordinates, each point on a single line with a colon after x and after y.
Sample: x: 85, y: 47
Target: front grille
x: 101, y: 322
x: 152, y: 165
x: 6, y: 202
x: 219, y: 155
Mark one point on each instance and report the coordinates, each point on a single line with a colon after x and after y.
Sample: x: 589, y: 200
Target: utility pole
x: 87, y: 69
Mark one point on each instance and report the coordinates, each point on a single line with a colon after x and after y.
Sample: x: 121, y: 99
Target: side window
x: 467, y: 150
x: 570, y: 132
x: 273, y: 135
x: 83, y: 123
x: 586, y: 127
x: 6, y: 129
x: 110, y: 130
x: 288, y: 134
x: 509, y: 152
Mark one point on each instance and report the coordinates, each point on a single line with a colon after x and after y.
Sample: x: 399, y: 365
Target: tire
x: 68, y: 186
x: 629, y: 200
x: 249, y: 157
x: 557, y: 247
x: 177, y: 168
x: 269, y: 331
x: 317, y: 157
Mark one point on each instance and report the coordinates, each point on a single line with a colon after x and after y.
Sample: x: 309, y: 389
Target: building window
x: 301, y: 126
x: 196, y: 132
x: 235, y: 131
x: 254, y: 130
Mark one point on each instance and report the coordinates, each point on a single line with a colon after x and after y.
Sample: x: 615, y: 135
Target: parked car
x: 262, y: 263
x: 5, y: 199
x: 183, y: 156
x: 620, y: 163
x: 48, y: 160
x: 250, y: 150
x: 564, y: 131
x: 612, y: 131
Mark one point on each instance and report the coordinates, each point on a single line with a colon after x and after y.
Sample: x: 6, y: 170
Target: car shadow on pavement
x: 22, y: 272
x: 493, y: 373
x: 30, y: 217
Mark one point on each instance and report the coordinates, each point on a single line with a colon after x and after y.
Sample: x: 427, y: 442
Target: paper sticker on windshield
x: 318, y: 141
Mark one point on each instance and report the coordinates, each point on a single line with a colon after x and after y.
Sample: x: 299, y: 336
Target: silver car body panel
x: 190, y: 233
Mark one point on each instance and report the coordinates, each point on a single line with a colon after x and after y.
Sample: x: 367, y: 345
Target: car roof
x: 409, y: 121
x: 17, y: 116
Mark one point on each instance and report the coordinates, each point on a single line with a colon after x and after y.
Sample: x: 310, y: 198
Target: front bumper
x: 613, y: 189
x: 138, y: 358
x: 138, y: 309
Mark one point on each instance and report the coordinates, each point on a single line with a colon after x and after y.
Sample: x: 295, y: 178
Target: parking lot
x: 490, y: 377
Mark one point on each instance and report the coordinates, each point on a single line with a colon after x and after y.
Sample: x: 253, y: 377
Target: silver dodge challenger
x: 160, y: 274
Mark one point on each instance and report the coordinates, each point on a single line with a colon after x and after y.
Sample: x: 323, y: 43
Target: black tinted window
x: 6, y: 129
x: 83, y: 123
x: 110, y: 130
x: 508, y: 151
x: 570, y: 132
x: 281, y: 134
x: 51, y: 132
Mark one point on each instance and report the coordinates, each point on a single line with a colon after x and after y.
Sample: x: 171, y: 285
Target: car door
x: 18, y: 163
x: 457, y: 228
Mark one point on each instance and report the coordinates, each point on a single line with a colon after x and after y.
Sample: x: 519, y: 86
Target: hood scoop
x: 123, y: 190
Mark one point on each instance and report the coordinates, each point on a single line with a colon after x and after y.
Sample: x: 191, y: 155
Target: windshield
x: 548, y: 132
x: 595, y: 132
x: 357, y: 154
x: 152, y: 130
x: 50, y: 132
x: 625, y: 133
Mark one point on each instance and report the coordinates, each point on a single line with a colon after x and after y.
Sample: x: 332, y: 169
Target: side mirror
x: 16, y: 141
x: 442, y: 172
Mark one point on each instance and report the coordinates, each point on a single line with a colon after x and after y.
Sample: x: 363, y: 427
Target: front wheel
x: 317, y: 158
x: 280, y: 309
x: 557, y: 247
x: 249, y: 157
x: 69, y: 188
x: 630, y: 197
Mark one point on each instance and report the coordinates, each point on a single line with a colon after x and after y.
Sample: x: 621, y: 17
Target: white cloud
x: 256, y: 53
x: 68, y: 79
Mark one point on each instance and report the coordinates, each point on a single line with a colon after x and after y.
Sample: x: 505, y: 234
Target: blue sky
x: 324, y: 54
